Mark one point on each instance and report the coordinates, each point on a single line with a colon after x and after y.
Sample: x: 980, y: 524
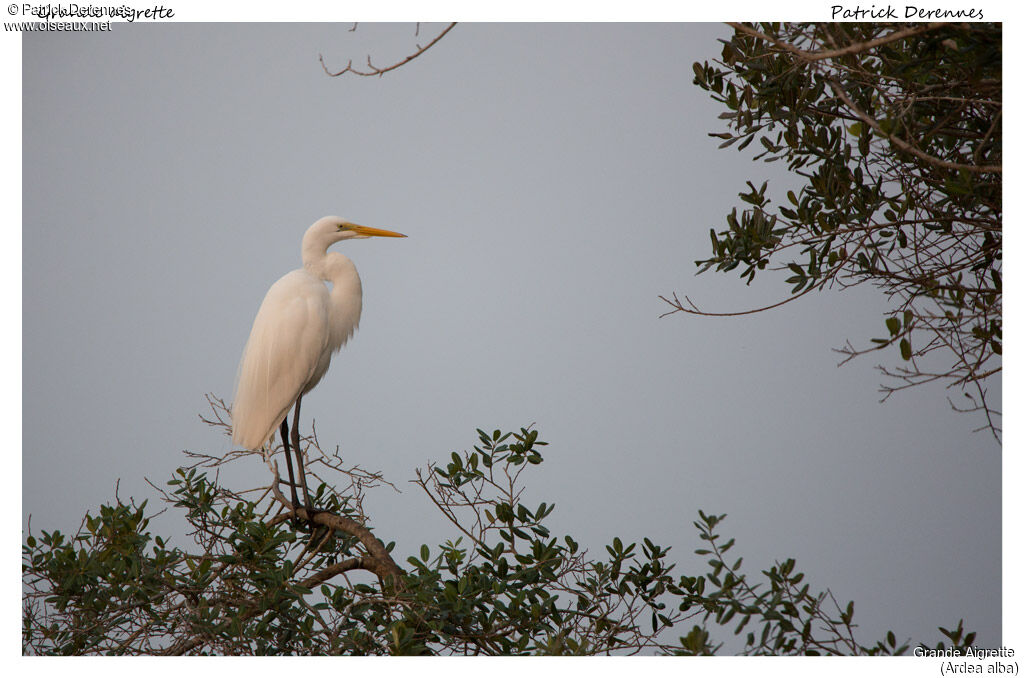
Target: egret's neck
x: 314, y: 254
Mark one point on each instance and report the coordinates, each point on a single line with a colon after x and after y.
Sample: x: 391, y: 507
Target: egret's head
x: 336, y: 228
x: 329, y: 230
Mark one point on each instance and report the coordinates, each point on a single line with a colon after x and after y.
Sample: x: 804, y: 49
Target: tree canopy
x: 247, y: 582
x: 895, y: 131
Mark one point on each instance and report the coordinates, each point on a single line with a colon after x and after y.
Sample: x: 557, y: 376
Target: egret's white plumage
x: 299, y: 326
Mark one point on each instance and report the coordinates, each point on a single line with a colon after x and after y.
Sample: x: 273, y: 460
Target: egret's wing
x: 288, y: 337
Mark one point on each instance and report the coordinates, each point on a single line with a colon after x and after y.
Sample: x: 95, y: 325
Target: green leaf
x: 905, y: 349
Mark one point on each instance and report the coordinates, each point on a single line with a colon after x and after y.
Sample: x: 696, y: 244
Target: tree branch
x: 693, y: 310
x: 381, y: 563
x: 854, y: 48
x: 347, y: 565
x: 381, y: 71
x: 903, y: 145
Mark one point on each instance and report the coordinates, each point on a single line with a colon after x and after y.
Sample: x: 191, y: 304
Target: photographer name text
x: 903, y: 12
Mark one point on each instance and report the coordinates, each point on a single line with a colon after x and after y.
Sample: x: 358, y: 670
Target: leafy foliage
x: 896, y: 130
x: 250, y: 584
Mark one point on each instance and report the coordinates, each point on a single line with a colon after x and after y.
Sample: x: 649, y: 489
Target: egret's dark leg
x: 288, y: 459
x: 298, y: 455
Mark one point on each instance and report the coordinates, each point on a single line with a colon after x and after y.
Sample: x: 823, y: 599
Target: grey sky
x: 553, y: 179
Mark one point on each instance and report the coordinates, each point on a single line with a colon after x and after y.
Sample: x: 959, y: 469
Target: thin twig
x: 374, y: 70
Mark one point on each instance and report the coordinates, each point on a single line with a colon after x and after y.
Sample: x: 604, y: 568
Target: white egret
x: 299, y: 326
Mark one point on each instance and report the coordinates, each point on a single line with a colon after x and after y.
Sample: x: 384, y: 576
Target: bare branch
x: 693, y: 310
x: 374, y: 70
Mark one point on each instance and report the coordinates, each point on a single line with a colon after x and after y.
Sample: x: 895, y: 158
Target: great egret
x: 299, y: 326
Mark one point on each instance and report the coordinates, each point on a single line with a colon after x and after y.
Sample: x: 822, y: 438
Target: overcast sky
x: 553, y: 180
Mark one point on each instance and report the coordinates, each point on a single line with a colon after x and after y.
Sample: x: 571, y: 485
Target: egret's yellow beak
x: 367, y: 231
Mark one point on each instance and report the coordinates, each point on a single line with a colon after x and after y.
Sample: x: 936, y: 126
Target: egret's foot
x: 307, y: 524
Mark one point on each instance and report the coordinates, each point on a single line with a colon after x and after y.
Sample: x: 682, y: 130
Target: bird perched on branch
x: 305, y: 318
